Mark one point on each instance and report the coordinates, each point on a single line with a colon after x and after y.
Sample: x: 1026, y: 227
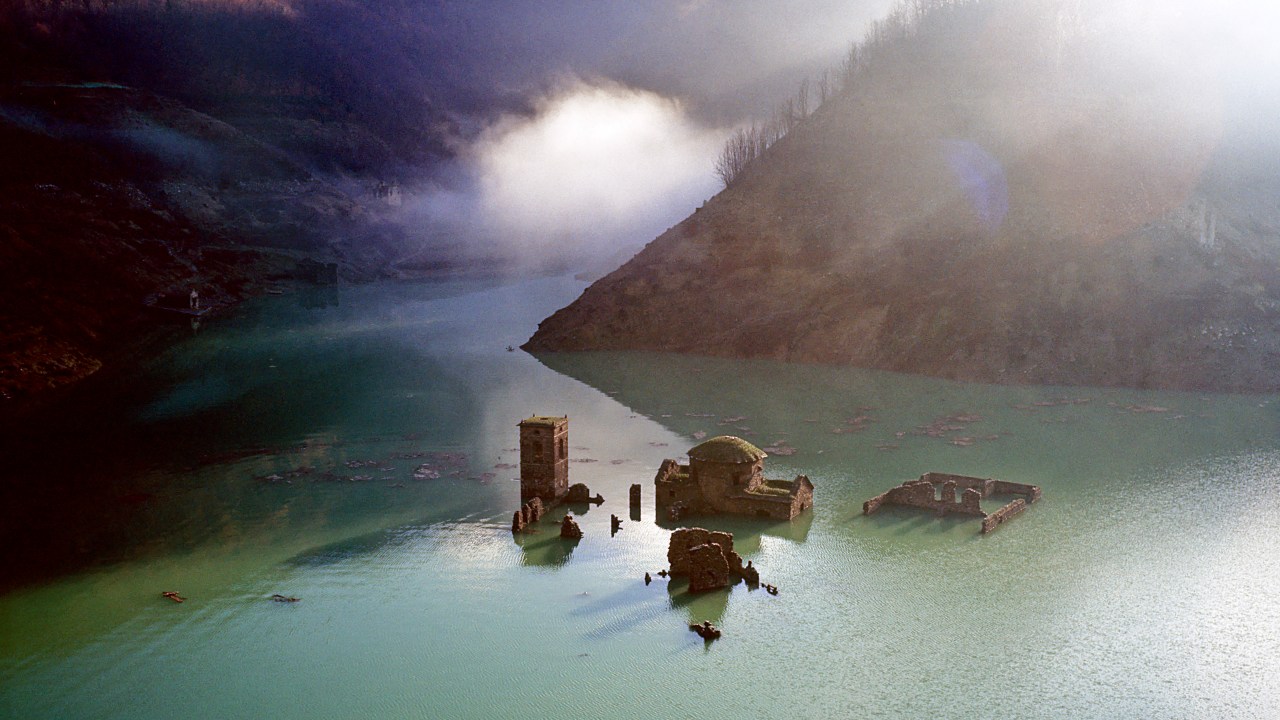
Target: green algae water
x: 356, y: 449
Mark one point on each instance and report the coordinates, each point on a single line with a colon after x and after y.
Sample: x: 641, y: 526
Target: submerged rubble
x: 707, y: 558
x: 569, y: 529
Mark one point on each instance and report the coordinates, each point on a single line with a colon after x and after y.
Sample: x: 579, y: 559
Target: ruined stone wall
x: 673, y: 487
x: 802, y: 496
x: 778, y: 508
x: 1030, y: 492
x: 527, y: 515
x: 924, y: 495
x: 997, y: 518
x: 982, y: 485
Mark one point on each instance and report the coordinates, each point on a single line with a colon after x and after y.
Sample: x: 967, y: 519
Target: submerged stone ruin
x: 544, y: 469
x: 527, y: 515
x: 726, y: 475
x: 707, y: 558
x: 937, y: 492
x: 580, y: 493
x: 569, y: 529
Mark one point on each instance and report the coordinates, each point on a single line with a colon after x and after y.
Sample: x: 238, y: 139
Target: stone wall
x: 925, y: 495
x: 1030, y: 492
x: 674, y: 490
x: 997, y: 518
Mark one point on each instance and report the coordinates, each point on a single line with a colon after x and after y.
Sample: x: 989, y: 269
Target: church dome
x: 726, y: 449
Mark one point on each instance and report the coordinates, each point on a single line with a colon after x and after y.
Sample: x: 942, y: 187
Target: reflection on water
x: 357, y: 450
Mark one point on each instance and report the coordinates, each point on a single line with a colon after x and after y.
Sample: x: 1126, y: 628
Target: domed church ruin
x: 726, y: 475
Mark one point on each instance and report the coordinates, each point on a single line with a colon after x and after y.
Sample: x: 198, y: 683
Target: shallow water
x: 1142, y: 585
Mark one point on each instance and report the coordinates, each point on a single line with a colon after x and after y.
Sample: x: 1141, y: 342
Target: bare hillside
x: 980, y: 204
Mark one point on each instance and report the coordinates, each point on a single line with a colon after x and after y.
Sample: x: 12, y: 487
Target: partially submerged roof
x: 545, y: 420
x: 726, y: 449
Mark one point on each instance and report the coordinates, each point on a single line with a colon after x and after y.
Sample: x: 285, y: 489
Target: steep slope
x: 976, y: 206
x: 110, y: 195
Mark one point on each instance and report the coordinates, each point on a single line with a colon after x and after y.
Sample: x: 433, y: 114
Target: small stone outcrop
x: 527, y: 515
x: 707, y: 558
x: 580, y: 493
x: 569, y: 529
x: 706, y: 630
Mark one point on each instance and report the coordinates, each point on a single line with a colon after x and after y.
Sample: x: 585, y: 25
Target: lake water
x: 1145, y: 584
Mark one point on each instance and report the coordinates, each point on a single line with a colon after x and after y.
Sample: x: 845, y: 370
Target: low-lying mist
x: 593, y: 173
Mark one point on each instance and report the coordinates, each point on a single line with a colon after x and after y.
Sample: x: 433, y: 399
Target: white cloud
x: 598, y: 167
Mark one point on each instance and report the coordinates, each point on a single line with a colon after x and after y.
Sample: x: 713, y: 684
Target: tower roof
x: 726, y: 449
x: 545, y: 420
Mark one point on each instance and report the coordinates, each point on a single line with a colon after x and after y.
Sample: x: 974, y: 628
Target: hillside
x: 980, y: 204
x: 112, y: 195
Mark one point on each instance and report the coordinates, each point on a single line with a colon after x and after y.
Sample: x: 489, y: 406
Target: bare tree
x: 824, y: 87
x: 739, y: 150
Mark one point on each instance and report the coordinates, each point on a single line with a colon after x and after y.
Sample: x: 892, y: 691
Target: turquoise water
x: 1143, y: 585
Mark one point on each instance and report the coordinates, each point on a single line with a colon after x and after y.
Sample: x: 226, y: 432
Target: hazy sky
x: 594, y: 126
x: 590, y: 127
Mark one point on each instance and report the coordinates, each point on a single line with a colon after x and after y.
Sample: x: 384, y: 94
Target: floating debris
x: 1148, y: 409
x: 173, y: 595
x: 284, y: 598
x: 357, y: 464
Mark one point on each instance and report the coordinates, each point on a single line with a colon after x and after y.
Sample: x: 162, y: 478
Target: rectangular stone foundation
x: 923, y: 493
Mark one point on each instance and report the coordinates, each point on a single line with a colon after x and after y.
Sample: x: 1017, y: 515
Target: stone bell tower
x: 544, y: 458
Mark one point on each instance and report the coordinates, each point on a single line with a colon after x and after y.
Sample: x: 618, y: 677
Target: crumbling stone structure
x: 937, y: 492
x: 580, y: 493
x: 527, y: 515
x: 707, y: 558
x: 569, y: 528
x: 726, y: 475
x: 544, y: 458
